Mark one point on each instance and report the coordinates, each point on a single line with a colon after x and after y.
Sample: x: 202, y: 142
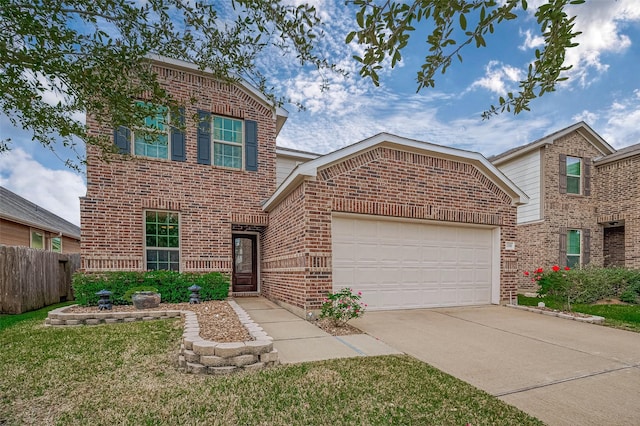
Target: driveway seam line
x: 568, y: 379
x: 358, y: 351
x: 624, y: 363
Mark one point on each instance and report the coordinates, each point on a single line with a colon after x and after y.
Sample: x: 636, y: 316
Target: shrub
x: 173, y: 286
x: 589, y: 284
x: 342, y: 306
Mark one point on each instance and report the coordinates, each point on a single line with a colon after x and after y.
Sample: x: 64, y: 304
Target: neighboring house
x: 23, y: 223
x: 410, y: 224
x: 583, y: 201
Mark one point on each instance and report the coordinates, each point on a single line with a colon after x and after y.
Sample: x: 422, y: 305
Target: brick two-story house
x: 410, y: 224
x: 583, y: 201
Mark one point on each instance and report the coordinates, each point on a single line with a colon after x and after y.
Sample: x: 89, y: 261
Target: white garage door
x: 398, y: 264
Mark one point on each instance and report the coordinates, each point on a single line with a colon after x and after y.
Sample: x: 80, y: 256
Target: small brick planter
x: 593, y: 319
x: 197, y: 355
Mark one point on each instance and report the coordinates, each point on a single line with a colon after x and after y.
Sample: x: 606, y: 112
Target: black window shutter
x: 122, y: 139
x: 562, y: 174
x: 251, y: 145
x: 587, y: 176
x: 178, y: 152
x: 204, y: 137
x: 562, y: 255
x: 586, y: 246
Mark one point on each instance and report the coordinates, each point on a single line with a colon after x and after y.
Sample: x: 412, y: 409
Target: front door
x: 245, y: 263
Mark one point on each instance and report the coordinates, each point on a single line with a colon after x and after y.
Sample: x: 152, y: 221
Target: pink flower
x: 566, y: 268
x: 359, y: 293
x: 526, y: 273
x: 539, y: 271
x: 555, y: 268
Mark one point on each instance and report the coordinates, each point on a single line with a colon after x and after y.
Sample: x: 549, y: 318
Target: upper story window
x: 152, y: 139
x: 227, y: 142
x: 574, y: 167
x: 574, y: 175
x: 157, y: 137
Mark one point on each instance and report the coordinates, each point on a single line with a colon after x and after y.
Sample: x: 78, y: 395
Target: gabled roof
x: 310, y: 169
x: 281, y: 114
x: 16, y: 209
x: 581, y: 127
x: 623, y: 153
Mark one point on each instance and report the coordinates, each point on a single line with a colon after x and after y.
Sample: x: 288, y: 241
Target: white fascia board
x: 281, y: 114
x: 292, y: 153
x: 581, y: 127
x: 310, y: 168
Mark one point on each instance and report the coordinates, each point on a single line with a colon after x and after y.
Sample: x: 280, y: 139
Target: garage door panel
x: 399, y: 264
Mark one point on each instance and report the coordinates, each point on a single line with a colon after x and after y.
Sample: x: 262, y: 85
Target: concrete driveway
x: 560, y: 371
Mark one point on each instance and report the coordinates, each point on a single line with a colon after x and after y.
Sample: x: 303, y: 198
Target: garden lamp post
x: 104, y: 302
x: 194, y: 297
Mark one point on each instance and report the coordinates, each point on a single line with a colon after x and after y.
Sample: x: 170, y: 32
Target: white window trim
x: 215, y: 141
x: 167, y: 132
x: 144, y: 241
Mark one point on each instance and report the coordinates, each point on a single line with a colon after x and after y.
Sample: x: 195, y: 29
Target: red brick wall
x: 618, y: 195
x: 209, y: 199
x: 389, y: 182
x: 539, y: 243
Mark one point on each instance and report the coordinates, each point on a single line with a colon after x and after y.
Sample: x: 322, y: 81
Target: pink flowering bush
x: 342, y: 306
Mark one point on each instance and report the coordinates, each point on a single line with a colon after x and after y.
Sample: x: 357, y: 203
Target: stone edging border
x: 197, y: 355
x: 593, y: 319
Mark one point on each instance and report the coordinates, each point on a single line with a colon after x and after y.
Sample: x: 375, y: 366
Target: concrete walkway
x: 560, y: 371
x: 298, y: 340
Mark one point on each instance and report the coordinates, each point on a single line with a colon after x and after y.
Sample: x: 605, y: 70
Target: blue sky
x: 603, y: 90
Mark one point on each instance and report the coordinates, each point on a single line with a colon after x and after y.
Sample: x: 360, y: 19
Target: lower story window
x: 573, y: 248
x: 162, y: 240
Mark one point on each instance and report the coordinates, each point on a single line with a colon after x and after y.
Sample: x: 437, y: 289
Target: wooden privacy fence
x: 31, y: 279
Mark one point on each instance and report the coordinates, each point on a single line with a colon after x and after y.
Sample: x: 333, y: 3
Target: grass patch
x: 40, y: 314
x: 619, y: 316
x: 126, y: 374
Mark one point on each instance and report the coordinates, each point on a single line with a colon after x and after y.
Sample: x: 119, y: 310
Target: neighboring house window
x: 56, y: 244
x: 37, y: 240
x: 573, y: 248
x: 227, y: 142
x: 573, y: 175
x: 162, y: 240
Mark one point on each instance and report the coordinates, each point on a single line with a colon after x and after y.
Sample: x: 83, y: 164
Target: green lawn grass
x: 618, y: 316
x: 126, y: 374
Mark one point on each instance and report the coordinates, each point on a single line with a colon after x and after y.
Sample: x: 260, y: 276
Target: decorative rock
x: 145, y: 299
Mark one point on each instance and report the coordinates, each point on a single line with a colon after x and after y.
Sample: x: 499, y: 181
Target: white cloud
x: 588, y: 117
x: 602, y: 24
x: 55, y: 190
x: 531, y: 41
x: 499, y: 78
